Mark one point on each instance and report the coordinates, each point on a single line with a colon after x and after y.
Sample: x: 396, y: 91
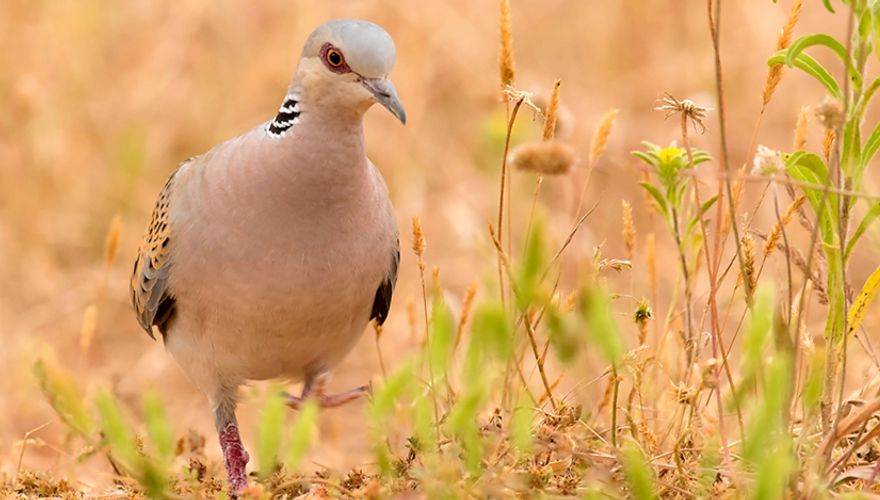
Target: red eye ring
x: 334, y: 58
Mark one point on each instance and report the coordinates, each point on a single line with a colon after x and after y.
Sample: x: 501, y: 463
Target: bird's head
x: 345, y: 65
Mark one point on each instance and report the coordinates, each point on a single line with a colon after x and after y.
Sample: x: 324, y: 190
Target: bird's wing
x: 150, y: 296
x: 382, y: 301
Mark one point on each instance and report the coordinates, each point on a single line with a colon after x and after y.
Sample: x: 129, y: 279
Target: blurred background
x: 101, y: 99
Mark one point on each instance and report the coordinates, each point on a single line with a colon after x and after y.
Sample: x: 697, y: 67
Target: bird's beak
x: 386, y: 95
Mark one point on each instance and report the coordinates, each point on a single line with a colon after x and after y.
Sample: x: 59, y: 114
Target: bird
x: 267, y: 256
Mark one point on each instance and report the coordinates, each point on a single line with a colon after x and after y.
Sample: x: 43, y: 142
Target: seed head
x: 691, y: 111
x: 776, y: 232
x: 747, y: 273
x: 506, y: 58
x: 767, y: 161
x: 600, y: 137
x: 111, y: 243
x: 828, y: 142
x: 545, y: 158
x: 800, y: 131
x: 830, y: 113
x: 629, y: 229
x: 551, y: 113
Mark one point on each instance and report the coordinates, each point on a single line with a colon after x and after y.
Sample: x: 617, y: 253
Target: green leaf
x: 710, y: 466
x: 703, y: 209
x: 638, y: 473
x: 871, y: 145
x: 158, y: 426
x: 385, y: 399
x: 462, y: 423
x: 659, y: 199
x: 441, y: 336
x: 65, y: 398
x: 269, y: 434
x: 812, y: 67
x: 301, y: 434
x: 758, y: 334
x: 866, y: 222
x: 827, y: 4
x: 814, y: 381
x: 124, y: 449
x: 798, y: 46
x: 490, y: 325
x: 810, y: 169
x: 521, y: 430
x: 863, y: 300
x: 116, y: 430
x: 532, y: 264
x: 565, y: 333
x: 767, y: 445
x: 602, y: 329
x: 875, y: 26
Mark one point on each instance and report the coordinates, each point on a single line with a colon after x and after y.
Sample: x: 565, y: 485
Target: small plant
x: 833, y: 182
x: 670, y: 198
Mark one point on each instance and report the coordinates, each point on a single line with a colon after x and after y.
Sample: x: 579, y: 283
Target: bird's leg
x: 314, y: 387
x: 235, y: 458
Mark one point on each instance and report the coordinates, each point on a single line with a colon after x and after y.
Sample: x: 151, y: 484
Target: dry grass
x: 97, y: 113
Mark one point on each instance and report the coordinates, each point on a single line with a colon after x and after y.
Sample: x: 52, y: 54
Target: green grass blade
x: 798, y: 46
x: 158, y: 427
x: 269, y: 432
x: 812, y: 67
x: 864, y: 225
x: 638, y: 473
x: 301, y: 434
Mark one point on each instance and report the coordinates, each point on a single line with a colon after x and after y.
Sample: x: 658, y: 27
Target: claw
x: 314, y: 387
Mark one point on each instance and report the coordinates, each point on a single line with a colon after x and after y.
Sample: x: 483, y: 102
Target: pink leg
x: 315, y: 387
x: 234, y: 457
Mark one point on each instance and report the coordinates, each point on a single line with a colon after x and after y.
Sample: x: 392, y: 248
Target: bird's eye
x: 334, y: 58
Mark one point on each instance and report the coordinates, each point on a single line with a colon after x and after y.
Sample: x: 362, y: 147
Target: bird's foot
x: 235, y: 458
x: 314, y: 388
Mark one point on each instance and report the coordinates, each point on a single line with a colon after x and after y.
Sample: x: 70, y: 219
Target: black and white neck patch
x: 287, y: 116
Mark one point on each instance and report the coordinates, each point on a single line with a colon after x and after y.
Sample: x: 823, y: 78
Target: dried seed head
x: 774, y: 74
x: 689, y: 110
x: 564, y: 117
x: 629, y: 229
x: 830, y: 113
x: 776, y: 232
x: 767, y: 161
x: 111, y: 243
x: 89, y: 327
x: 793, y: 15
x: 800, y: 130
x: 827, y: 143
x: 506, y: 58
x: 545, y: 158
x: 736, y: 195
x: 747, y: 276
x: 683, y: 393
x: 551, y: 113
x: 601, y: 135
x: 418, y: 244
x: 466, y: 304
